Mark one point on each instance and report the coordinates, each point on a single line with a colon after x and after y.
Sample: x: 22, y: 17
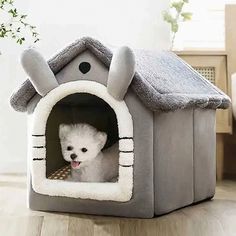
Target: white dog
x: 81, y: 144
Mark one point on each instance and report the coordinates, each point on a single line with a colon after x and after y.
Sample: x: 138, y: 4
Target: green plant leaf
x: 168, y: 17
x: 35, y: 41
x: 174, y: 27
x: 178, y: 6
x: 13, y: 12
x: 23, y: 16
x: 186, y: 16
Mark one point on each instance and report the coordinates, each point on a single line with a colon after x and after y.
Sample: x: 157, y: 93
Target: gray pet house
x: 164, y: 121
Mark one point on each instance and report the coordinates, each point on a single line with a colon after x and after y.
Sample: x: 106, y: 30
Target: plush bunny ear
x: 121, y: 72
x: 39, y: 71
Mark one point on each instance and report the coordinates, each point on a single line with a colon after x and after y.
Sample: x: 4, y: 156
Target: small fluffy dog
x: 82, y: 144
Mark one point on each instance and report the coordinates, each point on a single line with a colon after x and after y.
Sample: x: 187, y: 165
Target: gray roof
x: 162, y: 80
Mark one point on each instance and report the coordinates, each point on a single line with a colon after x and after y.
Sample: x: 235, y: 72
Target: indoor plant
x: 175, y: 15
x: 14, y: 24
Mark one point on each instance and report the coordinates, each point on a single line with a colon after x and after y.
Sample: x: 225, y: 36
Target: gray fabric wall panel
x: 142, y: 202
x: 173, y: 160
x: 204, y: 154
x: 71, y: 72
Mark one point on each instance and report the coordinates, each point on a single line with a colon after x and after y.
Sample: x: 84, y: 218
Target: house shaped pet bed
x: 157, y: 107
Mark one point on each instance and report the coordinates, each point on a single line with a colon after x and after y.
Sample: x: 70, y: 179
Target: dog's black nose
x: 73, y: 156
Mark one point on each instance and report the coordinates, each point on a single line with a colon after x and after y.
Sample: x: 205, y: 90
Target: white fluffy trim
x: 120, y: 191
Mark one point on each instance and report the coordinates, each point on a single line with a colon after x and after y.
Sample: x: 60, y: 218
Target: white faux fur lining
x: 38, y: 141
x: 38, y: 152
x: 126, y: 145
x: 126, y: 159
x: 120, y: 191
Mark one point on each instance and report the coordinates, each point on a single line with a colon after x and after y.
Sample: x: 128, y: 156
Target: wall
x: 137, y: 23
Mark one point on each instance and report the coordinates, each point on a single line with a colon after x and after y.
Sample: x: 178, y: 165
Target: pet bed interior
x: 76, y: 108
x: 61, y: 174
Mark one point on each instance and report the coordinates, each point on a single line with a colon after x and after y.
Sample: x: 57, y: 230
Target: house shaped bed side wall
x: 174, y: 161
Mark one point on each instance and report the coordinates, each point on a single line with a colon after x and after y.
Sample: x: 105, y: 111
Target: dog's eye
x: 69, y: 148
x: 84, y: 149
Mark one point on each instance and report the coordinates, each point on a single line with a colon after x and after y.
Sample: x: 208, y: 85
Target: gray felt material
x: 173, y: 160
x: 142, y: 202
x: 121, y: 72
x: 98, y: 71
x: 38, y: 70
x: 162, y: 80
x: 184, y: 158
x: 204, y: 158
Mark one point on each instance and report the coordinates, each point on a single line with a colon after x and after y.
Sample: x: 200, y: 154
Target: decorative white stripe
x: 126, y: 159
x: 38, y: 152
x: 120, y: 191
x: 38, y: 141
x: 126, y: 145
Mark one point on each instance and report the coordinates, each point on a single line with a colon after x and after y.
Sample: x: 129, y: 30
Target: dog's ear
x: 102, y: 137
x: 64, y: 129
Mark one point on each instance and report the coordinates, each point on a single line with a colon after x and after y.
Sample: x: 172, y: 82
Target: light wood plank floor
x: 212, y: 218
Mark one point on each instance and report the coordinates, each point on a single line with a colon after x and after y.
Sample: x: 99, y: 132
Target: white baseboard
x: 13, y: 167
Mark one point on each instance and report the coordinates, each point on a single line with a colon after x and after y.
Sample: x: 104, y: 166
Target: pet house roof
x: 162, y: 80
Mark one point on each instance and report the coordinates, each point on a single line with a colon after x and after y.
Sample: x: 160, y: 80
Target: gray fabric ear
x: 121, y: 72
x: 39, y: 71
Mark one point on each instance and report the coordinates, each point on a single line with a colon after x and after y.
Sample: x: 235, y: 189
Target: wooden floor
x: 212, y: 218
